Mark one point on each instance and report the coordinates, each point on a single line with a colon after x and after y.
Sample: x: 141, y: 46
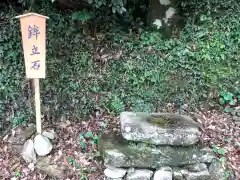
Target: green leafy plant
x: 88, y: 138
x: 82, y: 16
x: 71, y: 161
x: 96, y: 139
x: 18, y: 173
x: 219, y: 151
x: 88, y: 135
x: 19, y: 121
x: 83, y: 146
x: 117, y: 105
x: 204, y: 55
x: 84, y: 177
x: 228, y: 174
x: 228, y: 100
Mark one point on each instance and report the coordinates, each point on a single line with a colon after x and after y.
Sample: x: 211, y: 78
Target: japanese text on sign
x: 33, y: 29
x: 33, y: 32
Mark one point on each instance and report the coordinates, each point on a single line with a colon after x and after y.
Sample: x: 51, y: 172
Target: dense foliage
x: 150, y: 70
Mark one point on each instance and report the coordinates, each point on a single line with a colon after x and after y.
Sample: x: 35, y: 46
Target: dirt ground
x: 74, y: 162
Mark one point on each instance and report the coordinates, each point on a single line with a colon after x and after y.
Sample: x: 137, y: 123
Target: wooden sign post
x: 33, y: 28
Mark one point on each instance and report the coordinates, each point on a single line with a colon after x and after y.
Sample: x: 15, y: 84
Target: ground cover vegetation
x: 125, y: 65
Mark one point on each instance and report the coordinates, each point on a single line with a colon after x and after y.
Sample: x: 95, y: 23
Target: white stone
x: 142, y: 174
x: 31, y: 166
x: 177, y: 175
x: 49, y: 135
x: 112, y: 173
x: 42, y: 145
x: 164, y: 173
x: 169, y: 13
x: 28, y: 152
x: 158, y: 23
x: 164, y: 2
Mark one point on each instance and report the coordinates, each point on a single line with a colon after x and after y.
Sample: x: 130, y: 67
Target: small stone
x: 233, y: 113
x: 197, y: 167
x: 237, y: 145
x: 49, y: 135
x: 142, y: 174
x: 31, y: 166
x: 164, y: 173
x: 164, y: 2
x: 28, y: 152
x: 216, y: 171
x: 169, y: 13
x: 177, y: 175
x: 202, y: 175
x: 208, y: 155
x: 112, y: 173
x: 236, y: 118
x: 42, y: 145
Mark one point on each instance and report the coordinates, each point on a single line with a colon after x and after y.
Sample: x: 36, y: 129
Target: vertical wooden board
x: 33, y: 30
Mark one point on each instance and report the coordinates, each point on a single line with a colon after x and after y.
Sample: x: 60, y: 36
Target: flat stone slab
x: 159, y: 128
x: 118, y: 152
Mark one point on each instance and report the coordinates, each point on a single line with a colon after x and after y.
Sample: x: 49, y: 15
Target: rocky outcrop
x: 165, y: 143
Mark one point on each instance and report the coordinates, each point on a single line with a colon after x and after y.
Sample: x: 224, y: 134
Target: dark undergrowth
x: 138, y: 70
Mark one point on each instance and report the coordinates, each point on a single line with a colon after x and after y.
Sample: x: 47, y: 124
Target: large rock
x: 159, y: 128
x: 118, y: 152
x: 165, y: 173
x: 201, y: 175
x: 28, y: 152
x: 42, y: 145
x: 141, y: 174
